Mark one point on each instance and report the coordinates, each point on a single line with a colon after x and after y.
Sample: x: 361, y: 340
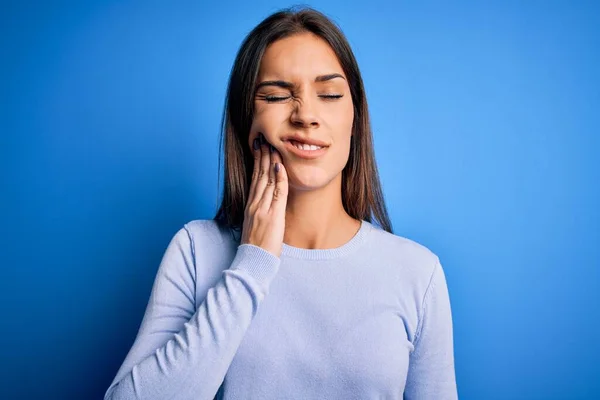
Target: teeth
x: 304, y: 146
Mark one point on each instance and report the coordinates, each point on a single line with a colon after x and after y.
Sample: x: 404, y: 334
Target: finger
x: 263, y: 172
x: 256, y: 153
x: 267, y: 196
x: 280, y: 192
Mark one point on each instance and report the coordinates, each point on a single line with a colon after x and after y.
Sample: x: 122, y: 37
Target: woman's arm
x: 184, y: 353
x: 431, y: 369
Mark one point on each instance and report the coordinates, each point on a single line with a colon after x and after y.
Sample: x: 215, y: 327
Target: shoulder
x: 207, y: 231
x: 414, y: 272
x: 204, y: 240
x: 415, y: 262
x: 212, y: 248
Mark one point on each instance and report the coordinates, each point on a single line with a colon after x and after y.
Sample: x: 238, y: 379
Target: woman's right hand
x: 264, y: 215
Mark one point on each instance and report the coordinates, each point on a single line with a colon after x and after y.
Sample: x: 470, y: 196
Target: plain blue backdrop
x: 486, y: 120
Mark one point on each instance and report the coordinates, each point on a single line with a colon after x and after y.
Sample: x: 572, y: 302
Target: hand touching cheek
x: 268, y: 122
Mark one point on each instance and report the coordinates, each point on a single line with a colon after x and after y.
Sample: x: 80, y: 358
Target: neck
x: 316, y: 219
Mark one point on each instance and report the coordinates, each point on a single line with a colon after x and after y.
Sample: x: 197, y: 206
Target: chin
x: 308, y: 178
x: 305, y: 187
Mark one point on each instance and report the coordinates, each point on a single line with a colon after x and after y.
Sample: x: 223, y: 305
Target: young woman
x: 292, y: 291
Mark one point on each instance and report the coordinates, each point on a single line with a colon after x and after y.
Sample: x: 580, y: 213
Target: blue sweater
x: 368, y: 320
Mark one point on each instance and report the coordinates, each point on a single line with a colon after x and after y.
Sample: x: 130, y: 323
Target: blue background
x: 486, y: 121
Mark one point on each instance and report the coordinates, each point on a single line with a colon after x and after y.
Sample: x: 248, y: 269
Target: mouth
x: 305, y: 150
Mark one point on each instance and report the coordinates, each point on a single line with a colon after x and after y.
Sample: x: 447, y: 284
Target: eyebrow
x: 290, y: 85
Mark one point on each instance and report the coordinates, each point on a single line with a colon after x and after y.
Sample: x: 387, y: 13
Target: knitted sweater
x: 370, y: 319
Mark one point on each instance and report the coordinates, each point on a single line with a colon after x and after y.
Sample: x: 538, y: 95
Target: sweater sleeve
x: 181, y: 352
x: 431, y: 372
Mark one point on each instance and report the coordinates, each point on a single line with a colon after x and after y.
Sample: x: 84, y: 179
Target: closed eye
x: 331, y: 96
x: 275, y: 99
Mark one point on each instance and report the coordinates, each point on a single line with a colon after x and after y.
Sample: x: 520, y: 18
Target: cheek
x: 341, y: 119
x: 348, y: 116
x: 267, y: 118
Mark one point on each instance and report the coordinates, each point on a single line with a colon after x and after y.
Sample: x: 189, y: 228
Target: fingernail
x: 256, y: 144
x: 276, y: 167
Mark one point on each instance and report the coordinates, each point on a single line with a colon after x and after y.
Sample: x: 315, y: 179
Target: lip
x: 306, y: 140
x: 308, y: 154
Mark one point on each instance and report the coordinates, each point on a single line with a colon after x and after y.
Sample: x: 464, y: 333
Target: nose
x: 304, y: 114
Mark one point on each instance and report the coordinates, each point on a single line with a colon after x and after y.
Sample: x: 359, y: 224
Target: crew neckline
x: 327, y: 254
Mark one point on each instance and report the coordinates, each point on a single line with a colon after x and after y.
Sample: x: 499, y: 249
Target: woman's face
x: 303, y: 96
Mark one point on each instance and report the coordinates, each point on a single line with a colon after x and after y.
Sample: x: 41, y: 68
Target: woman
x: 291, y: 292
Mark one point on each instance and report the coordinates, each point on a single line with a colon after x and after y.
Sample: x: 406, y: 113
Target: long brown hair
x: 362, y: 196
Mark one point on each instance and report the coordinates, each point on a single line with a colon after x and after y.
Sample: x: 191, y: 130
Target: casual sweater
x: 370, y: 319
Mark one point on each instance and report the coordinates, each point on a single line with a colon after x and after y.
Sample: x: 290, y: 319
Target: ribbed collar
x: 327, y: 254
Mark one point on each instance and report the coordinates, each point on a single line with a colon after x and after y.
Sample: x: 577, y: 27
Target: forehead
x: 300, y: 56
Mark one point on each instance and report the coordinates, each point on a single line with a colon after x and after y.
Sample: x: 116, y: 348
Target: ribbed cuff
x: 257, y: 262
